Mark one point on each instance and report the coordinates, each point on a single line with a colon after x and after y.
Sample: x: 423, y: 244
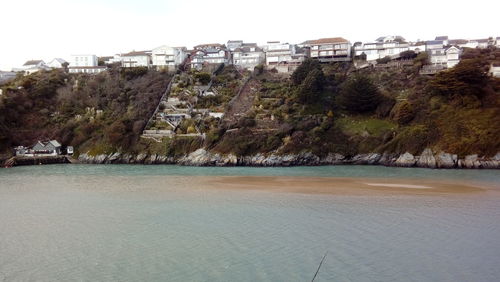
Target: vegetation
x: 321, y: 108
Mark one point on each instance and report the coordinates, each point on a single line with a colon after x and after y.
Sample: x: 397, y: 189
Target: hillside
x: 319, y: 109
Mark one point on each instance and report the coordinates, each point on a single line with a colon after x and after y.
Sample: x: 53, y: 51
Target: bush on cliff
x: 359, y: 94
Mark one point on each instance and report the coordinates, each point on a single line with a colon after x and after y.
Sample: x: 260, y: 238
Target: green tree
x: 359, y: 94
x: 384, y: 60
x: 203, y: 77
x: 407, y: 55
x: 300, y: 74
x: 421, y: 59
x: 466, y: 78
x: 311, y: 87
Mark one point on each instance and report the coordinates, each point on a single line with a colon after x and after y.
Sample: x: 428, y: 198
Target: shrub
x: 311, y: 87
x: 466, y: 78
x: 359, y: 94
x: 384, y: 60
x: 203, y: 77
x: 300, y: 74
x: 403, y: 113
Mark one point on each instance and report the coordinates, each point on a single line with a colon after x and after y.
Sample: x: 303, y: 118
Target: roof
x: 247, y: 49
x: 135, y: 53
x: 235, y: 41
x: 208, y: 45
x: 419, y: 43
x: 54, y: 143
x: 444, y: 37
x: 434, y: 42
x: 94, y: 67
x: 326, y: 40
x: 45, y: 143
x: 486, y: 40
x: 32, y: 62
x: 458, y: 41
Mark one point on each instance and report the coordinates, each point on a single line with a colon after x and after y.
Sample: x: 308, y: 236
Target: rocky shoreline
x: 202, y: 157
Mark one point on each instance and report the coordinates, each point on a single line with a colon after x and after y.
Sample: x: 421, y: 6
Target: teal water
x: 152, y: 223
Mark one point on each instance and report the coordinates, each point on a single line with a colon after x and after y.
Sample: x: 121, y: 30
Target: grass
x: 360, y: 125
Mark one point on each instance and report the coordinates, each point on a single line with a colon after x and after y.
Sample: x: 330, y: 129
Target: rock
x: 471, y: 161
x: 427, y: 159
x: 366, y: 159
x: 406, y: 160
x: 139, y: 159
x: 387, y: 159
x: 445, y: 160
x: 333, y: 159
x: 113, y: 158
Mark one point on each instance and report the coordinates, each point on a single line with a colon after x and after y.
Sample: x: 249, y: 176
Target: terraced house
x: 334, y: 49
x: 166, y: 57
x: 209, y: 54
x: 85, y: 64
x: 284, y: 57
x: 248, y: 56
x: 387, y: 46
x: 136, y: 59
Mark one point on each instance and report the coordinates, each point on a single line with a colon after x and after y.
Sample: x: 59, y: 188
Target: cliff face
x: 321, y: 114
x: 202, y: 157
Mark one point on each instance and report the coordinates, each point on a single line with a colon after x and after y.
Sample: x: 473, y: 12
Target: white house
x: 335, y: 49
x: 495, y: 69
x: 444, y: 39
x: 32, y: 66
x: 248, y: 56
x: 446, y: 57
x: 85, y: 64
x: 417, y: 47
x: 57, y: 63
x: 165, y: 57
x: 136, y: 59
x: 390, y: 46
x: 497, y: 42
x: 284, y: 57
x: 460, y: 43
x: 233, y: 44
x: 209, y: 54
x: 6, y: 76
x: 452, y: 56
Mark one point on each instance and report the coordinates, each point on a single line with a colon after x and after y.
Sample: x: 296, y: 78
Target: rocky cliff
x: 202, y: 157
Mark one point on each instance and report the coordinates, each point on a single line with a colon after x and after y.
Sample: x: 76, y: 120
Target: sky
x: 45, y: 29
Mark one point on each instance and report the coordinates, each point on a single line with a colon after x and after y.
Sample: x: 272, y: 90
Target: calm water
x: 150, y: 223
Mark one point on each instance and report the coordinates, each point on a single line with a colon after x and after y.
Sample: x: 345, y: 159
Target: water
x: 151, y: 223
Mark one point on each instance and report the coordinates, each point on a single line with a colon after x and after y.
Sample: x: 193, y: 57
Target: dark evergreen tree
x: 359, y: 94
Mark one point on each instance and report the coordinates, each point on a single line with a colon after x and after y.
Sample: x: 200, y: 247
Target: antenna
x: 317, y: 271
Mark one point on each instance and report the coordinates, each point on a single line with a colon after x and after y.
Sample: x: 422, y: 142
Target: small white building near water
x: 40, y: 149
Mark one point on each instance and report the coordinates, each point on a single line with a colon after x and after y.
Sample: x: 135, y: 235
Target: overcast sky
x: 44, y: 29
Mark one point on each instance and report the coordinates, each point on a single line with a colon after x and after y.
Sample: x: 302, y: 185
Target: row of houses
x: 43, y: 149
x: 32, y: 66
x: 284, y: 57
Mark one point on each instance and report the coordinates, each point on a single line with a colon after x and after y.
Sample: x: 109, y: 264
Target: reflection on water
x: 154, y: 223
